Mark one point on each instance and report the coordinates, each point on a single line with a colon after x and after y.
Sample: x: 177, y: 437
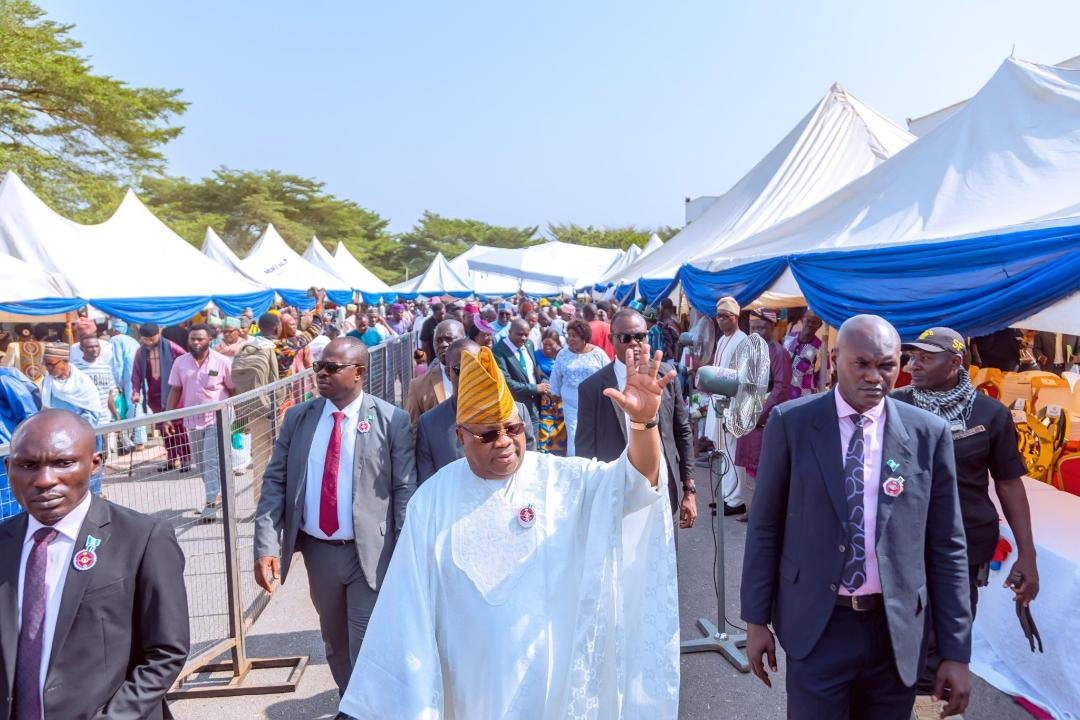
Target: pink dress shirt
x: 874, y: 438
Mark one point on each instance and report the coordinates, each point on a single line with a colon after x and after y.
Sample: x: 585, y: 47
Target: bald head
x: 53, y: 455
x: 867, y: 360
x: 446, y: 332
x: 346, y: 349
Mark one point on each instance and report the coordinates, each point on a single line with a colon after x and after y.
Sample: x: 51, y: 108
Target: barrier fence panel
x: 200, y: 469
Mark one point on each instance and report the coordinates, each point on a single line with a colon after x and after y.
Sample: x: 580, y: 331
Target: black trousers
x: 933, y: 658
x: 850, y: 674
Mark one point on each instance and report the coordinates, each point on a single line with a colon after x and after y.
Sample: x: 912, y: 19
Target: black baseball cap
x: 939, y: 339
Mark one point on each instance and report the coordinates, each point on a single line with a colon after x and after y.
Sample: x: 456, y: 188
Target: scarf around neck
x: 953, y: 404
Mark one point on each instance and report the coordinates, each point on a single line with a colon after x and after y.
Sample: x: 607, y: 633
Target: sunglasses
x: 456, y: 369
x: 331, y: 367
x: 491, y: 436
x: 626, y: 338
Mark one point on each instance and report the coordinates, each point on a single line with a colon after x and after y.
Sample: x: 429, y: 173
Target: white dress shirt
x: 320, y: 441
x: 59, y: 558
x: 620, y: 382
x: 530, y: 366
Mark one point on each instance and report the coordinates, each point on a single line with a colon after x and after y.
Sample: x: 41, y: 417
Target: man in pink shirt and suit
x: 854, y: 539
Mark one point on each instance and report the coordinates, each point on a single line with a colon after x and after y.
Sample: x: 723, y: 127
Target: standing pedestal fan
x: 739, y: 393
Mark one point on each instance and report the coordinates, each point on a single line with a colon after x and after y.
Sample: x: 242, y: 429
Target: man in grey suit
x: 437, y: 442
x: 335, y: 489
x: 854, y: 538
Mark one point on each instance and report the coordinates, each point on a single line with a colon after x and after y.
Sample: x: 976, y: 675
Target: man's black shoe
x: 734, y: 510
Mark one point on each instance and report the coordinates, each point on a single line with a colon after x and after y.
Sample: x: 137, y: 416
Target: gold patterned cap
x: 483, y: 396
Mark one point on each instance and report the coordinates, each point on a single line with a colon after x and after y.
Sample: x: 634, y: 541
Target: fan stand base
x: 730, y: 646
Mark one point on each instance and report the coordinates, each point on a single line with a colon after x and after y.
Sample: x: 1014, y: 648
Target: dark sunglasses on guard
x: 627, y: 338
x: 491, y: 436
x: 331, y: 367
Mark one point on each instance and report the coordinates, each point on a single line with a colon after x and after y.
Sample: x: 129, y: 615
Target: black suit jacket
x: 121, y: 635
x: 601, y: 430
x: 796, y: 537
x: 522, y: 387
x: 437, y: 444
x: 1043, y: 344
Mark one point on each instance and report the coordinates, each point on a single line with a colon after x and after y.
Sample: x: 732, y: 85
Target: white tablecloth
x: 1001, y: 654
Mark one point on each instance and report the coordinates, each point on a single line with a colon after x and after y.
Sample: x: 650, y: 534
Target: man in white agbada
x: 516, y: 589
x: 727, y: 318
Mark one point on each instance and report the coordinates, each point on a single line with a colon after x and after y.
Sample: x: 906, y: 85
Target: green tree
x: 239, y: 204
x: 618, y: 237
x: 73, y: 136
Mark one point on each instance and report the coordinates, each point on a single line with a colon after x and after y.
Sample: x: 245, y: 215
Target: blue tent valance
x: 745, y: 283
x: 164, y: 311
x: 975, y: 285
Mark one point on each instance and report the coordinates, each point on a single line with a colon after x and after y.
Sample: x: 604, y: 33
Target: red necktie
x: 328, y: 522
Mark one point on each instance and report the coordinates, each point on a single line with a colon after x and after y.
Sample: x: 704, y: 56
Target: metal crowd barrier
x: 189, y: 457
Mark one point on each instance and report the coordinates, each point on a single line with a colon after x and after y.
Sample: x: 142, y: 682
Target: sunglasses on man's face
x: 512, y: 429
x: 331, y: 368
x: 627, y: 338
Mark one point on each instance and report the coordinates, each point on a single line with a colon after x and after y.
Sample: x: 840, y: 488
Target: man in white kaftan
x: 731, y: 337
x: 523, y: 596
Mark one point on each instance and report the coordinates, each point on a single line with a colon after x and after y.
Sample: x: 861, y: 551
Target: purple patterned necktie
x: 32, y: 630
x: 855, y: 559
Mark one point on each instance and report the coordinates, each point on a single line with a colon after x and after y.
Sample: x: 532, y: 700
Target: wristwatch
x: 689, y: 489
x: 645, y: 426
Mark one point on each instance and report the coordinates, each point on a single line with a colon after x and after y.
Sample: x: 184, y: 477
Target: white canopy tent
x: 20, y: 282
x: 215, y: 248
x: 439, y: 279
x: 920, y: 126
x: 483, y: 283
x: 281, y: 268
x: 132, y: 245
x: 555, y: 263
x: 352, y: 270
x: 317, y: 255
x: 1008, y: 160
x: 839, y: 140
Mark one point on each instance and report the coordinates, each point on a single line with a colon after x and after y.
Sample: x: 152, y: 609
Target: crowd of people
x: 870, y: 526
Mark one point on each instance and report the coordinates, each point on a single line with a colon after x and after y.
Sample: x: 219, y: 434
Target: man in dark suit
x: 437, y: 443
x: 854, y: 533
x: 93, y: 609
x: 516, y: 358
x: 1054, y: 351
x: 602, y: 427
x: 336, y: 487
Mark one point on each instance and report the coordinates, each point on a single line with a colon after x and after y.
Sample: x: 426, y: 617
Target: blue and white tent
x: 976, y: 224
x: 131, y: 266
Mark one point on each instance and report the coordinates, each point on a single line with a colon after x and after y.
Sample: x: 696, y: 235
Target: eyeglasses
x: 491, y: 436
x: 626, y: 338
x: 331, y: 367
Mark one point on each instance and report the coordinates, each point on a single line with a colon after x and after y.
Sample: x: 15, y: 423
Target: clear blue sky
x: 603, y: 113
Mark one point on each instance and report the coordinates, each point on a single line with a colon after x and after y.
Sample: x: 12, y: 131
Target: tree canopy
x: 239, y: 204
x: 75, y: 136
x: 619, y: 238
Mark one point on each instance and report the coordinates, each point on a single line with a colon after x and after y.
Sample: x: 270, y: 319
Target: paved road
x: 711, y: 688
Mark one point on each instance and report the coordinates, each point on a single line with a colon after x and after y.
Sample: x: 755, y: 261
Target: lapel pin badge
x: 894, y: 486
x: 365, y: 425
x: 527, y: 516
x: 87, y: 557
x: 892, y: 464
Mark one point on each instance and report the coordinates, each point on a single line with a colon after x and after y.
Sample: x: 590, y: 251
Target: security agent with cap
x: 985, y: 446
